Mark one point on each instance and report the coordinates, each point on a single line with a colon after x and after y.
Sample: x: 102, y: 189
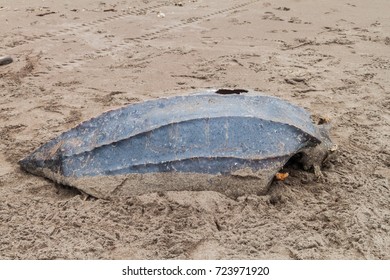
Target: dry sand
x: 80, y: 58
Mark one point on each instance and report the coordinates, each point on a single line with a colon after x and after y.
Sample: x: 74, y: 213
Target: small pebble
x: 4, y: 60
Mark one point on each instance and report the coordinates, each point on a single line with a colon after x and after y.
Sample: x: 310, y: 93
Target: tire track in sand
x: 81, y: 26
x: 70, y: 65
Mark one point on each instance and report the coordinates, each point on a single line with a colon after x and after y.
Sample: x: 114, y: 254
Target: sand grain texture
x: 72, y: 61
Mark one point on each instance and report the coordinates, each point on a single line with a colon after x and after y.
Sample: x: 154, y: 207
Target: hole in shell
x: 230, y: 91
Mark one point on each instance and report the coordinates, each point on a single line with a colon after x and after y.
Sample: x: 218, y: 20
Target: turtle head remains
x: 313, y: 158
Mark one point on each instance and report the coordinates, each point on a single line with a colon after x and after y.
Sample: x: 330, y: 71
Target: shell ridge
x: 276, y: 162
x: 74, y: 154
x: 139, y: 128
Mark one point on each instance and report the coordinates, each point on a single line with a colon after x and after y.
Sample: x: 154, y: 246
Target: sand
x: 73, y: 60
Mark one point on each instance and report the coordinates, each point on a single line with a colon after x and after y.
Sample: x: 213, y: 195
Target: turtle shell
x: 204, y: 141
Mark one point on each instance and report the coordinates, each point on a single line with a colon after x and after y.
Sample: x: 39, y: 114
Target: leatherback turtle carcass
x: 213, y: 140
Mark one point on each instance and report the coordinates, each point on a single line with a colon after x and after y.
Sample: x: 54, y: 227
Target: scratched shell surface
x: 205, y: 133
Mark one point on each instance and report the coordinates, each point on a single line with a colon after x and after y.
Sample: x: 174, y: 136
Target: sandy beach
x: 73, y: 60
